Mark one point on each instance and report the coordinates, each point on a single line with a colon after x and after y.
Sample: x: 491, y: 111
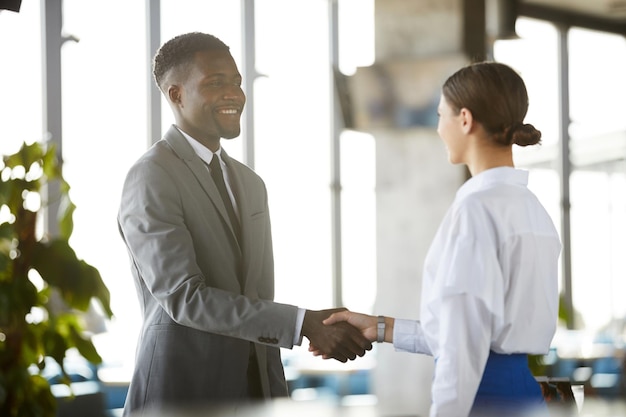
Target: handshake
x: 338, y: 333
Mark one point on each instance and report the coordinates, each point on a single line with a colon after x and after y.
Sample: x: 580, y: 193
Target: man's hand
x: 339, y: 341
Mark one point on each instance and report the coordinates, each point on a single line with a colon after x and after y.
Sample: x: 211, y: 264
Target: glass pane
x: 292, y: 136
x: 356, y: 34
x: 358, y: 166
x: 105, y: 81
x: 597, y: 84
x: 598, y: 150
x: 21, y: 104
x: 598, y: 244
x: 534, y: 56
x: 104, y: 132
x: 358, y: 218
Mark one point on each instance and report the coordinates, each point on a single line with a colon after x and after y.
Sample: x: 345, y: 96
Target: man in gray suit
x: 202, y: 263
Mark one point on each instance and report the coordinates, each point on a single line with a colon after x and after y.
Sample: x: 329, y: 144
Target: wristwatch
x: 381, y: 329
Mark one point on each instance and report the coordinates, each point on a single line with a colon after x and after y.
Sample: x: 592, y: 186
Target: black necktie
x: 218, y: 178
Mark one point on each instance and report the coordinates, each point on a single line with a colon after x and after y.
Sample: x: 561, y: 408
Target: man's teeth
x: 228, y: 111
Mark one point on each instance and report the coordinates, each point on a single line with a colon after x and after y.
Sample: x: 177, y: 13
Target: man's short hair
x: 179, y: 51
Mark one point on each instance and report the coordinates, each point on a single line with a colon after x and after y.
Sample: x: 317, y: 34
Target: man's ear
x: 174, y: 94
x: 467, y: 120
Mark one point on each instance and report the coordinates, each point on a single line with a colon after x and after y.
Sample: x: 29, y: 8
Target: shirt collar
x: 202, y: 151
x: 498, y: 175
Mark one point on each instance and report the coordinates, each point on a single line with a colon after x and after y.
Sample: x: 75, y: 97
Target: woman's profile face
x: 450, y: 131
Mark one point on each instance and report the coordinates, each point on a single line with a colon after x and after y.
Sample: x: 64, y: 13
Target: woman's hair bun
x: 523, y: 134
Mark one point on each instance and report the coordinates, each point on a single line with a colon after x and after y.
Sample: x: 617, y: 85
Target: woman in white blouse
x: 490, y: 286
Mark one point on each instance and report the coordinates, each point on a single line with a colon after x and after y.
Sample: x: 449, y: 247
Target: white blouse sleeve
x: 468, y: 300
x: 463, y: 351
x: 408, y: 336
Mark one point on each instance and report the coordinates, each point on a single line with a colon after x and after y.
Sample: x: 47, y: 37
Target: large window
x: 534, y: 56
x: 104, y: 131
x: 597, y: 142
x: 598, y: 149
x: 105, y: 80
x: 292, y: 142
x: 21, y: 100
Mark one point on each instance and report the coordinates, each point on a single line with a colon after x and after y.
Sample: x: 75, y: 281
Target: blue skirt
x: 508, y: 388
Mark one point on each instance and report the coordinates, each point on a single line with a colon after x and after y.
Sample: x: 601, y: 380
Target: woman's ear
x: 467, y: 120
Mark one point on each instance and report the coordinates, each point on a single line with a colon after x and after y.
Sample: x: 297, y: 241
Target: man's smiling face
x: 210, y: 98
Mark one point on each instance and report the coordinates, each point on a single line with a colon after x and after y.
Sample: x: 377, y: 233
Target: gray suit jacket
x: 203, y: 297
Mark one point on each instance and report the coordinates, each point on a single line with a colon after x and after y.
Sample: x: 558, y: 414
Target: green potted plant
x: 34, y: 267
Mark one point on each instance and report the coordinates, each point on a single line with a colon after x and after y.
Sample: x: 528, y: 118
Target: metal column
x: 249, y: 75
x: 565, y: 171
x: 335, y: 158
x: 153, y: 28
x: 52, y: 40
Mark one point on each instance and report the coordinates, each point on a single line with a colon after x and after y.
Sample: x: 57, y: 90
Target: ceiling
x: 607, y: 15
x: 608, y: 9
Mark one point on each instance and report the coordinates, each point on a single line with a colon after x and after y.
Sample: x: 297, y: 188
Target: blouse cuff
x: 409, y: 337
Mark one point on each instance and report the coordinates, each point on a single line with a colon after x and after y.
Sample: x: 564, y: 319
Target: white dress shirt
x: 490, y: 282
x: 207, y: 156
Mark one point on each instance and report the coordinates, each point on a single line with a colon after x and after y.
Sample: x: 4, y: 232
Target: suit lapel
x: 196, y: 165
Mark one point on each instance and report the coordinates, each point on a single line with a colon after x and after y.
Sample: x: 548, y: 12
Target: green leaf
x: 99, y: 289
x: 57, y: 264
x: 66, y: 222
x: 17, y: 297
x: 25, y: 156
x: 43, y: 402
x: 7, y: 231
x: 51, y: 166
x: 27, y: 293
x: 23, y: 394
x: 55, y: 344
x: 32, y: 348
x: 5, y: 192
x: 22, y: 250
x: 4, y: 265
x: 13, y: 192
x: 85, y: 347
x: 77, y: 281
